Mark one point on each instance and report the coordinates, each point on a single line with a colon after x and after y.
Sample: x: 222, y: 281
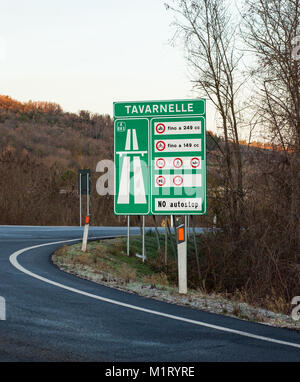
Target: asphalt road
x: 54, y: 316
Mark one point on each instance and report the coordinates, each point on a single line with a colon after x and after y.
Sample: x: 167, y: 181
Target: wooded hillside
x: 41, y: 149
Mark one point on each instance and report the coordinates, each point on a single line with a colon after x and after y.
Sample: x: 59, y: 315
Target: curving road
x: 54, y: 316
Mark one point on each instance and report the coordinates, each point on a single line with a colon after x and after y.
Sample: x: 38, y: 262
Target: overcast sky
x: 85, y: 54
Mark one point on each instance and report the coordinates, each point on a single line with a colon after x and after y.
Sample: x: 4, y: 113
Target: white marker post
x: 85, y: 234
x: 182, y: 258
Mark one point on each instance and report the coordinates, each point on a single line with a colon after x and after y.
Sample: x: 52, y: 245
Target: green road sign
x: 132, y: 183
x: 160, y: 157
x: 84, y: 182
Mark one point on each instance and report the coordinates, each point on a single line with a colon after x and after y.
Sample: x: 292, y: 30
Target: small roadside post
x: 85, y: 233
x: 182, y: 257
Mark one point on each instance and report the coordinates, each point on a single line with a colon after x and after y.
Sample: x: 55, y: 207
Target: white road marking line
x: 16, y: 264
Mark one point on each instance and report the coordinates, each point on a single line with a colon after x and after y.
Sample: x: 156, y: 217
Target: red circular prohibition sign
x: 195, y: 162
x: 177, y: 180
x: 160, y: 162
x: 177, y: 162
x: 160, y: 145
x: 160, y: 128
x: 160, y: 180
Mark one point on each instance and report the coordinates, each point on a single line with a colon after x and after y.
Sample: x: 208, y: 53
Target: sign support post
x: 80, y: 202
x: 84, y: 188
x: 143, y: 239
x: 128, y: 233
x: 87, y: 194
x: 166, y: 241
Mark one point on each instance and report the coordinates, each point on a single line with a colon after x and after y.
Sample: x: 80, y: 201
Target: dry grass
x: 105, y: 263
x: 127, y: 273
x: 156, y: 280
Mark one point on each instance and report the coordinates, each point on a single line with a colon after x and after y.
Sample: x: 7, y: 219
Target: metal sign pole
x: 196, y: 249
x: 128, y: 233
x: 87, y: 194
x: 80, y: 205
x: 143, y: 239
x: 166, y: 240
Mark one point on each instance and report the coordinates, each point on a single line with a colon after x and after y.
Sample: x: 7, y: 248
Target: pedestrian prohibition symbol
x: 160, y: 157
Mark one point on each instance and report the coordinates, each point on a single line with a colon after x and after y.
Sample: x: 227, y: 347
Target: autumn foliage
x: 41, y: 149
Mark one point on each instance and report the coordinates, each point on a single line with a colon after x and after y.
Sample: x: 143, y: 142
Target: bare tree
x: 210, y: 40
x: 269, y: 29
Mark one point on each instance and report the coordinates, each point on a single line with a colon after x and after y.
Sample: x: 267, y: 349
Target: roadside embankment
x: 106, y: 262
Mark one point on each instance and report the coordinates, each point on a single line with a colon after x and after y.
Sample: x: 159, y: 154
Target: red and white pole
x: 85, y: 233
x: 182, y: 257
